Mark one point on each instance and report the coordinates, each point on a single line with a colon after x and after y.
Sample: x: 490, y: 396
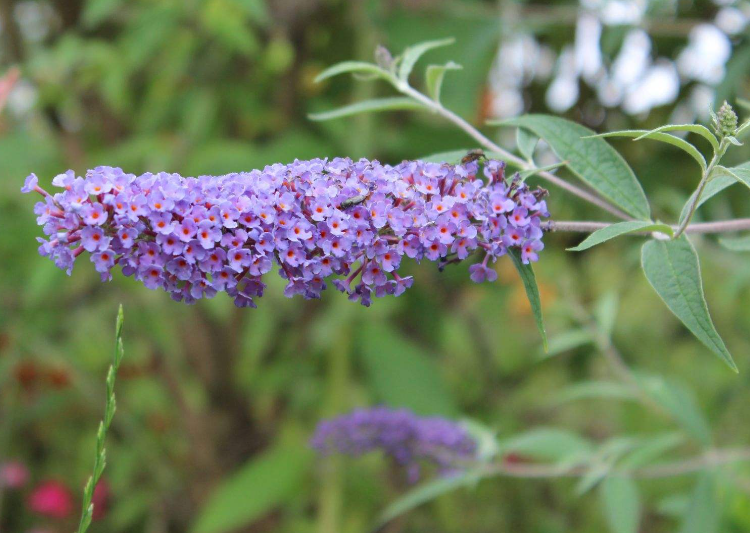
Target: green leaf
x: 532, y: 291
x: 702, y: 514
x: 412, y: 54
x: 621, y: 504
x: 680, y: 402
x: 393, y: 103
x: 255, y: 489
x: 424, y: 493
x: 663, y: 137
x: 402, y: 374
x: 693, y: 128
x: 740, y: 174
x: 597, y: 389
x: 434, y: 78
x: 526, y: 143
x: 673, y: 270
x: 736, y: 244
x: 620, y: 228
x: 354, y: 67
x: 592, y: 160
x: 549, y: 444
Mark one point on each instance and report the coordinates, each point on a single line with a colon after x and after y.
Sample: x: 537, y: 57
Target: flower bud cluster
x: 353, y: 221
x: 400, y: 434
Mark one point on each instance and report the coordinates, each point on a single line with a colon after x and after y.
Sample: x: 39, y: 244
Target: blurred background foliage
x: 215, y: 403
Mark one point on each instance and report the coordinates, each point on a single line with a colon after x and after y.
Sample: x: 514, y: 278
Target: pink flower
x: 51, y: 498
x: 13, y: 475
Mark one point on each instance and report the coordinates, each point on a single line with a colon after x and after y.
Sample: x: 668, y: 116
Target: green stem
x: 100, y: 459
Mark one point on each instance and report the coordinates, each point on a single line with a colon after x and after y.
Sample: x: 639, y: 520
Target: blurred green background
x: 216, y: 398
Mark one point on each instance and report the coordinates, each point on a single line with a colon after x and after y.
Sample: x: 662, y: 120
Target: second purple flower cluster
x: 405, y: 437
x: 351, y: 220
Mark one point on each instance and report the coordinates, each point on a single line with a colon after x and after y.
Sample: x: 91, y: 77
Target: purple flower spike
x: 408, y: 439
x: 353, y: 221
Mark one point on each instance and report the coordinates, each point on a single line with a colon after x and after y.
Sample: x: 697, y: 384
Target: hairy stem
x: 701, y: 186
x: 721, y: 226
x: 515, y: 160
x: 710, y: 459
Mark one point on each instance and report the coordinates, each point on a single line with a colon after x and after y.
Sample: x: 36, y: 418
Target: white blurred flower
x: 588, y: 53
x: 707, y: 52
x: 563, y: 91
x: 731, y: 20
x: 634, y: 58
x: 658, y: 87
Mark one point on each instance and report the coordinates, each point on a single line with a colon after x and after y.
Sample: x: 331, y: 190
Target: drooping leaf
x: 673, y: 270
x: 663, y: 137
x: 736, y: 244
x: 549, y: 444
x: 354, y: 67
x: 605, y: 311
x: 434, y: 78
x: 693, y: 128
x: 702, y: 513
x: 526, y: 143
x: 620, y: 228
x: 592, y: 160
x: 255, y: 489
x: 679, y: 402
x: 424, y: 493
x: 394, y: 103
x: 621, y: 503
x: 412, y: 54
x: 402, y: 374
x: 532, y: 291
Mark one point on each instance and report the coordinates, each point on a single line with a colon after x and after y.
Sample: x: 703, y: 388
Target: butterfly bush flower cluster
x: 353, y: 221
x: 403, y: 436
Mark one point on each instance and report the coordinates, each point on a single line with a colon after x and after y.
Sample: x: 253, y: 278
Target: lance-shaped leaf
x: 621, y: 228
x: 663, y: 137
x: 673, y: 270
x: 412, y: 54
x: 395, y: 103
x: 532, y: 291
x: 702, y: 513
x: 621, y: 504
x: 736, y: 244
x: 354, y: 67
x: 739, y: 174
x: 592, y: 160
x: 703, y: 131
x: 434, y: 78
